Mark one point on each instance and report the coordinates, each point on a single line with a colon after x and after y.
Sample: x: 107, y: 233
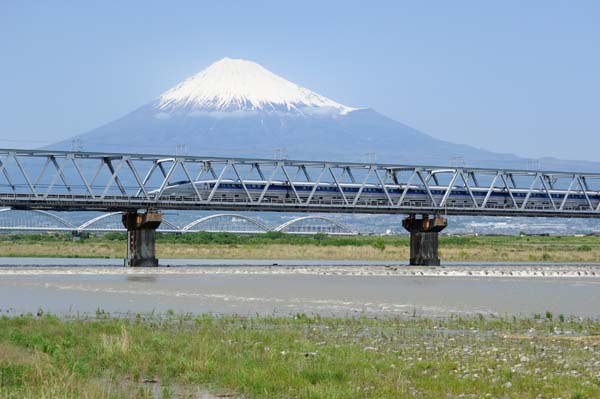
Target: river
x: 70, y: 286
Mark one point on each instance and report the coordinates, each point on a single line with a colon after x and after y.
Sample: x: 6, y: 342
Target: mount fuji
x: 238, y: 108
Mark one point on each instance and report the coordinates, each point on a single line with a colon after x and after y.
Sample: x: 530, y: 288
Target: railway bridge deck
x: 144, y: 184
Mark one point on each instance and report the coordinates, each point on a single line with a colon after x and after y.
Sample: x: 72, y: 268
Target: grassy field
x: 281, y: 246
x: 172, y: 356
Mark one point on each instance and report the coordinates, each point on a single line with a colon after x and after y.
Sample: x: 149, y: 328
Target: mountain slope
x: 238, y: 108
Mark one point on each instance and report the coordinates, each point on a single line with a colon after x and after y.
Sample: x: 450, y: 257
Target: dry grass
x: 282, y: 251
x: 448, y: 252
x: 22, y: 356
x: 62, y: 249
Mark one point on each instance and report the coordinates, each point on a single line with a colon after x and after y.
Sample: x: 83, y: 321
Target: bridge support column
x: 424, y: 234
x: 141, y: 238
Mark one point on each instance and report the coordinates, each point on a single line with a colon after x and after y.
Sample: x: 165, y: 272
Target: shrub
x: 379, y: 244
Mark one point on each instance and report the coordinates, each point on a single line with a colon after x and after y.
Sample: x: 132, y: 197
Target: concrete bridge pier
x: 424, y: 234
x: 141, y: 238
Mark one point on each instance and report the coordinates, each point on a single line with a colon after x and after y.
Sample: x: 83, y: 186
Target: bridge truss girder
x: 61, y: 180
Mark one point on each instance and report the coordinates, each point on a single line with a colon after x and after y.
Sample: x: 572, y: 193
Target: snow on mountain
x: 231, y: 85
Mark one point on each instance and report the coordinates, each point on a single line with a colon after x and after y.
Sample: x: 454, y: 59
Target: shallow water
x: 328, y: 288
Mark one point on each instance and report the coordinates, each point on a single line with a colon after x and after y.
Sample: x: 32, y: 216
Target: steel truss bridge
x: 61, y: 180
x: 12, y: 220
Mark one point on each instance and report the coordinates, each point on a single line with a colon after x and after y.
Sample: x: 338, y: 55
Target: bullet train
x: 372, y: 194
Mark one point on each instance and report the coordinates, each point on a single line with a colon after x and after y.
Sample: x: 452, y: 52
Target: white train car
x: 374, y: 195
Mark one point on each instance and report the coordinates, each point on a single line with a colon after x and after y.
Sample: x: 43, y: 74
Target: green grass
x: 205, y: 238
x: 298, y: 357
x: 586, y: 243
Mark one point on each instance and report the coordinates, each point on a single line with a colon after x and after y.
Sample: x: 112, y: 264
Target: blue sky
x: 509, y: 76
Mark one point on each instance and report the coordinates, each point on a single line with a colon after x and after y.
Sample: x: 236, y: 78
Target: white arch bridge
x: 14, y: 220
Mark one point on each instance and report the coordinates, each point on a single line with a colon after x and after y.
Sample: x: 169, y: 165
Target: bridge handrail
x: 299, y: 219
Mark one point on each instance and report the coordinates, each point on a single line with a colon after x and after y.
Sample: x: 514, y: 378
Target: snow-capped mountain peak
x: 240, y: 85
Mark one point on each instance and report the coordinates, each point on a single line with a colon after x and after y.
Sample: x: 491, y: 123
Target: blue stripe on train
x: 457, y: 193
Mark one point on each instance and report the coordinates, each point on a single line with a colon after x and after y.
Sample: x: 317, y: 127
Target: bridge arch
x: 63, y: 224
x: 172, y: 226
x: 117, y: 226
x: 98, y: 219
x: 339, y: 227
x: 262, y: 228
